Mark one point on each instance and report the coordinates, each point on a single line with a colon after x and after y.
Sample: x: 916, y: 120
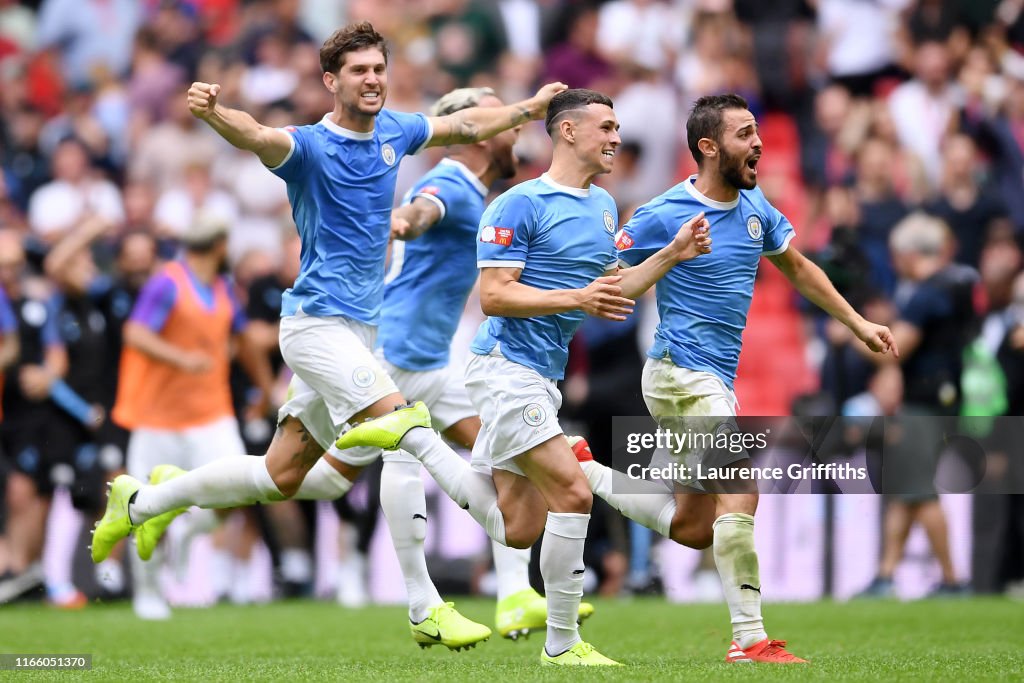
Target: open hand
x: 603, y: 298
x: 693, y: 238
x: 543, y: 98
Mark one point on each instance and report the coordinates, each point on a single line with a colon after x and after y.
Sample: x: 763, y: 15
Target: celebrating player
x: 341, y: 175
x: 690, y: 370
x: 425, y: 292
x: 544, y: 249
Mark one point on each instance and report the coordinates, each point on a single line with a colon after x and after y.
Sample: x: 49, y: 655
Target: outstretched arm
x: 692, y: 240
x: 271, y: 145
x: 502, y: 294
x: 411, y: 220
x: 482, y: 123
x: 811, y: 281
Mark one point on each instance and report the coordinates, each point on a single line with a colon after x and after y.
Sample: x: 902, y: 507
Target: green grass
x: 980, y: 639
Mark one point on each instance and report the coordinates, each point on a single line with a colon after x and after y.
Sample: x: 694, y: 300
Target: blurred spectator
x: 90, y: 34
x: 17, y: 28
x: 640, y: 33
x: 27, y: 412
x: 924, y: 108
x: 468, y: 37
x: 1000, y: 133
x: 178, y: 207
x: 858, y: 39
x: 878, y: 207
x: 935, y: 306
x: 970, y: 209
x: 577, y: 62
x: 25, y: 165
x: 76, y: 191
x: 162, y: 153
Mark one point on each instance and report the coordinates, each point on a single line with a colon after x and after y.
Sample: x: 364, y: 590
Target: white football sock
x: 233, y: 481
x: 512, y: 568
x: 737, y: 565
x: 405, y: 507
x: 323, y: 482
x: 653, y: 506
x: 472, y: 490
x: 561, y: 565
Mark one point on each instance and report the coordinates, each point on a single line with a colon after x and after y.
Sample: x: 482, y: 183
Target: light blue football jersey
x: 562, y: 238
x: 341, y: 185
x: 703, y: 303
x: 430, y: 278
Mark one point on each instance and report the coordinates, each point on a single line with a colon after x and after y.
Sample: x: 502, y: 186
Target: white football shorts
x: 187, y: 448
x: 518, y: 408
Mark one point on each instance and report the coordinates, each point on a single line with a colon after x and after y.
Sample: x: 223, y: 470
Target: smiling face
x: 593, y: 132
x: 739, y: 149
x: 360, y: 85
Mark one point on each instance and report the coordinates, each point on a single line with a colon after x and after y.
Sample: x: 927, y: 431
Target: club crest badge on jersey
x: 493, y: 234
x: 387, y: 153
x: 623, y: 241
x: 534, y: 414
x: 609, y: 222
x: 754, y: 227
x: 363, y: 377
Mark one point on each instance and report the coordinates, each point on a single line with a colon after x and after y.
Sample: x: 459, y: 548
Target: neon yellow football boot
x: 445, y: 626
x: 148, y: 534
x: 115, y: 523
x: 580, y: 654
x: 386, y: 431
x: 526, y: 611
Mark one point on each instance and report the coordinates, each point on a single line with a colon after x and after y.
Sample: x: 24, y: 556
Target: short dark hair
x: 706, y: 120
x: 568, y: 100
x: 351, y: 38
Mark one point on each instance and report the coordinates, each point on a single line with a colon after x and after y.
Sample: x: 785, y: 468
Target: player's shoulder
x: 452, y: 173
x: 389, y: 119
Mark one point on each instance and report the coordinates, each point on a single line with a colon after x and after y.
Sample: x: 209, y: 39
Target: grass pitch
x: 978, y: 639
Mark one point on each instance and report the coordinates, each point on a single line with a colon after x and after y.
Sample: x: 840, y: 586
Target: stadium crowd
x: 894, y: 142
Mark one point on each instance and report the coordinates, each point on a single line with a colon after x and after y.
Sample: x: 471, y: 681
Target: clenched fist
x: 202, y: 99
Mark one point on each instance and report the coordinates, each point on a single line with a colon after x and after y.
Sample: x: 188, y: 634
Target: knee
x: 692, y: 533
x: 288, y: 481
x: 576, y: 498
x: 523, y: 533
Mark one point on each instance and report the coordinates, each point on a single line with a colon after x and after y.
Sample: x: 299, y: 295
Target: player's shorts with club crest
x: 336, y: 373
x: 444, y: 392
x: 518, y: 409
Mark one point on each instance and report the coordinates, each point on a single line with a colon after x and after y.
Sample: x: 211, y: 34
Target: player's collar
x: 344, y: 132
x: 469, y: 175
x: 705, y: 200
x: 574, y: 191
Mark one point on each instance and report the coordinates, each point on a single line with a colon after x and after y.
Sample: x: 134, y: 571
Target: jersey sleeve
x: 155, y: 302
x: 8, y: 321
x: 416, y: 130
x: 440, y: 191
x: 641, y: 237
x: 778, y: 234
x: 238, y: 317
x: 295, y: 163
x: 503, y: 239
x: 50, y: 332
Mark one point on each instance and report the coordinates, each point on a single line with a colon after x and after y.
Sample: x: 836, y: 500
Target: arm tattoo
x: 522, y: 115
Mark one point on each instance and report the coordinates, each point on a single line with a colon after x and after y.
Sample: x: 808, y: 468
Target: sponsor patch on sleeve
x: 492, y: 234
x: 623, y: 241
x: 430, y: 189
